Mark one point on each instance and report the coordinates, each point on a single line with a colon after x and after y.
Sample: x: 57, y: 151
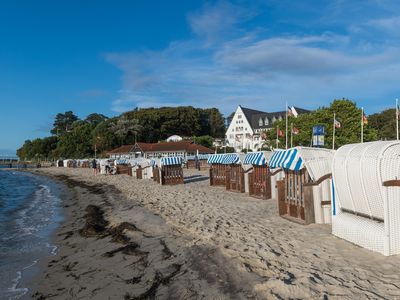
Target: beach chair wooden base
x: 260, y: 183
x: 172, y: 175
x: 191, y: 164
x: 218, y: 175
x: 124, y: 169
x: 295, y: 198
x: 235, y: 179
x: 139, y: 173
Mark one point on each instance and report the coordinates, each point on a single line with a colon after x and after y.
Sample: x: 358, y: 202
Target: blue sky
x: 111, y: 56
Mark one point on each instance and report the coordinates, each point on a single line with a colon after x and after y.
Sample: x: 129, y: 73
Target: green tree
x: 347, y: 113
x: 160, y: 123
x: 384, y: 123
x: 38, y: 149
x: 63, y: 123
x: 205, y: 140
x: 125, y: 128
x: 103, y: 138
x: 95, y: 119
x: 225, y: 150
x: 77, y: 143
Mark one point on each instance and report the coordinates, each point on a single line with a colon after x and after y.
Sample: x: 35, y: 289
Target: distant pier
x: 13, y: 162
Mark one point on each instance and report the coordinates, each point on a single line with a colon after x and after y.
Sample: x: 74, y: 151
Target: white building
x: 247, y: 128
x: 174, y: 138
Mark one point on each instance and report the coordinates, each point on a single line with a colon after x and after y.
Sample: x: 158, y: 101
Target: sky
x: 112, y: 56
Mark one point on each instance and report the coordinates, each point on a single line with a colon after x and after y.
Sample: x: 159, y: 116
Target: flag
x: 295, y: 130
x: 289, y: 111
x: 292, y: 112
x: 364, y: 119
x: 337, y: 123
x: 280, y: 133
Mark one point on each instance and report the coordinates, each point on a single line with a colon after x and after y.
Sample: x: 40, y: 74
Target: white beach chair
x: 366, y: 202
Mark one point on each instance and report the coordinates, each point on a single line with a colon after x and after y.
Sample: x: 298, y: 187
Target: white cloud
x: 219, y: 69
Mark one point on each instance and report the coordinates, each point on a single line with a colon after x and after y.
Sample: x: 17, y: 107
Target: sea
x: 30, y: 212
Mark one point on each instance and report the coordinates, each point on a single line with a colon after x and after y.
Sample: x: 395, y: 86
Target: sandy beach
x: 124, y: 238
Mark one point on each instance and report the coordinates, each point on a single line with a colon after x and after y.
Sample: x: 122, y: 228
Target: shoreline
x: 149, y: 238
x: 217, y: 244
x: 28, y: 229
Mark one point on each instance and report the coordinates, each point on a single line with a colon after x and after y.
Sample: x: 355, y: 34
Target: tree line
x: 378, y: 126
x: 72, y: 137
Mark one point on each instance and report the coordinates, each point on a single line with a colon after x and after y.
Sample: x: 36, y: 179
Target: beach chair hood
x: 226, y: 159
x: 170, y: 161
x: 317, y: 161
x: 260, y: 158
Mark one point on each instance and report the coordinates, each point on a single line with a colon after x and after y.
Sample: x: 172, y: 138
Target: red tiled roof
x: 122, y: 149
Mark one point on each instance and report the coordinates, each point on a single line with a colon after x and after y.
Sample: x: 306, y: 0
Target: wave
x: 26, y: 229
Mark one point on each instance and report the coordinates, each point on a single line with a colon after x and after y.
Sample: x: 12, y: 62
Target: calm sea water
x: 30, y: 212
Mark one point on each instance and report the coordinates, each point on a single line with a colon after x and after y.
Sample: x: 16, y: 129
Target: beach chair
x: 366, y: 202
x: 227, y: 170
x: 123, y: 166
x: 198, y: 162
x: 142, y: 168
x: 304, y: 195
x: 171, y: 171
x: 259, y: 175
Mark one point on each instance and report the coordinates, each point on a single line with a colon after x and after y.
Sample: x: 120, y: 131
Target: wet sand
x: 134, y: 239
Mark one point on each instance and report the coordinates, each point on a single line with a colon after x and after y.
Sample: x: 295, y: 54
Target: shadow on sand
x: 195, y: 178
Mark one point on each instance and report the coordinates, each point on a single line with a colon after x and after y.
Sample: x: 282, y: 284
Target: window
x: 239, y: 116
x: 266, y: 121
x: 260, y: 122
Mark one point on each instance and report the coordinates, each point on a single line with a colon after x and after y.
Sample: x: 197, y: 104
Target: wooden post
x: 309, y: 214
x: 228, y: 178
x: 280, y: 184
x: 242, y: 187
x: 251, y: 183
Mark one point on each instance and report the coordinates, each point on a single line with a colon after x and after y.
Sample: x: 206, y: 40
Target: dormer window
x: 260, y: 122
x: 273, y: 119
x: 280, y: 118
x: 266, y: 121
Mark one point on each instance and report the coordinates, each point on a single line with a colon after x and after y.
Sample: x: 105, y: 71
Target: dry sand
x: 194, y: 241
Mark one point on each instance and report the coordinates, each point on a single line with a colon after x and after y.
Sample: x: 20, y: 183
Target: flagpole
x: 362, y: 124
x: 291, y: 135
x: 334, y: 129
x: 397, y: 118
x: 286, y: 125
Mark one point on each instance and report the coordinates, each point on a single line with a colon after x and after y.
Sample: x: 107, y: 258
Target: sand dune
x: 225, y: 245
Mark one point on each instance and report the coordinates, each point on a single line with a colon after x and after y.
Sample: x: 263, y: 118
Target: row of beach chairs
x: 356, y: 188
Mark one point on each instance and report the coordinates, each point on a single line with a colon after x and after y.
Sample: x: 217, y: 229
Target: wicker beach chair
x: 304, y: 194
x: 366, y: 207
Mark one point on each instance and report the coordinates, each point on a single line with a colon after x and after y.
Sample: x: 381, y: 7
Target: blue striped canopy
x: 255, y: 158
x: 122, y: 161
x: 170, y: 161
x: 287, y: 159
x: 225, y: 159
